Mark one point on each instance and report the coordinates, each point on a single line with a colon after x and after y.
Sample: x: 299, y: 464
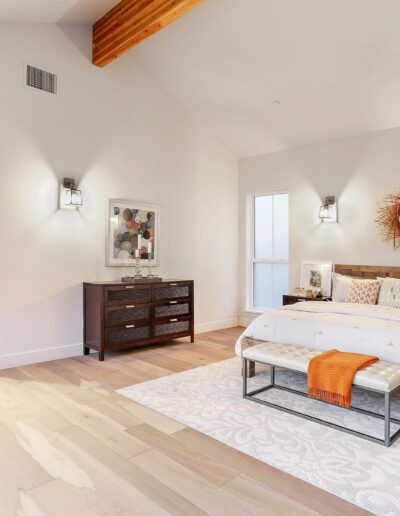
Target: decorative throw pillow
x: 390, y: 293
x: 363, y: 292
x: 341, y: 286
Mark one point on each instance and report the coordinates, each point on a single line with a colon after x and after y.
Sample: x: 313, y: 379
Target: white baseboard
x: 215, y: 325
x: 39, y: 355
x: 47, y: 354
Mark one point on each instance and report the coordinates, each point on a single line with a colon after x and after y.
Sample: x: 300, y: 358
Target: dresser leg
x: 101, y: 356
x: 85, y: 350
x: 192, y: 338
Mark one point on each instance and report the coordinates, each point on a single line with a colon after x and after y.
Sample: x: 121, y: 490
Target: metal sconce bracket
x: 70, y: 196
x: 328, y: 210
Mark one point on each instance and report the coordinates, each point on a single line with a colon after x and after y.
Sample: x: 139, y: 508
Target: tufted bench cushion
x: 380, y: 376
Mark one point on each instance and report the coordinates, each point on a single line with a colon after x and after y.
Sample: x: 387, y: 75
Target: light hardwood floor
x: 71, y: 446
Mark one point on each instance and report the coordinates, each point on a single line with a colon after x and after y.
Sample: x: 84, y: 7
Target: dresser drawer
x: 172, y: 291
x: 172, y: 327
x: 172, y: 309
x: 117, y: 315
x: 127, y: 294
x: 127, y: 334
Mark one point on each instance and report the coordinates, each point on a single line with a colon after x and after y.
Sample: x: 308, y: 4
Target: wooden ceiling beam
x: 132, y: 21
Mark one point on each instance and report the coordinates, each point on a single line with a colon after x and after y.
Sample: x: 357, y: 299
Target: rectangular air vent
x: 40, y: 79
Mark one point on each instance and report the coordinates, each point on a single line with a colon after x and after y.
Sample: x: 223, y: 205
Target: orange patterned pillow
x: 364, y: 293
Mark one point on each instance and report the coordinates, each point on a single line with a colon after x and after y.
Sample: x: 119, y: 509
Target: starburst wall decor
x: 389, y: 219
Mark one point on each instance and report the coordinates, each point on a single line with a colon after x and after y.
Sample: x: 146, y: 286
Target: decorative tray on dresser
x: 120, y: 315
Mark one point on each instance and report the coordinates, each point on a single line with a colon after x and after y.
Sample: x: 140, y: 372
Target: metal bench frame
x: 386, y: 441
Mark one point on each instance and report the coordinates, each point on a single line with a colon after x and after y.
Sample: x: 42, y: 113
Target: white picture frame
x: 317, y: 274
x: 123, y: 229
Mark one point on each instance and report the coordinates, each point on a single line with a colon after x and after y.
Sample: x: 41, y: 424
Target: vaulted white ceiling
x: 334, y: 65
x: 54, y: 11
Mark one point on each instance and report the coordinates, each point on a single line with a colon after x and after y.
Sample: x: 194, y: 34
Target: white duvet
x: 370, y: 329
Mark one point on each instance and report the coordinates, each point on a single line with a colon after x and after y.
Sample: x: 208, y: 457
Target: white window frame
x: 250, y: 247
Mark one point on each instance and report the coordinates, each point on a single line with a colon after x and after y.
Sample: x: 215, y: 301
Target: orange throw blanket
x: 330, y: 375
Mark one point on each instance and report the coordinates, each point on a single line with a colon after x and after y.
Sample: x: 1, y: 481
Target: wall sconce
x: 328, y: 210
x: 70, y: 196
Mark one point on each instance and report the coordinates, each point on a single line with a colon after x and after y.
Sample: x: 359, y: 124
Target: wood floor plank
x: 108, y: 376
x: 46, y: 375
x: 152, y: 418
x: 58, y: 498
x: 144, y: 371
x: 29, y: 406
x: 67, y: 375
x: 116, y: 413
x: 51, y: 496
x: 266, y: 499
x: 170, y: 362
x: 189, y: 457
x: 15, y: 373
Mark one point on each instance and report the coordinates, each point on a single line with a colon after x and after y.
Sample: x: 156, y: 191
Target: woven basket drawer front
x: 125, y: 314
x: 128, y: 294
x: 171, y: 310
x: 128, y: 334
x: 172, y: 292
x: 171, y: 327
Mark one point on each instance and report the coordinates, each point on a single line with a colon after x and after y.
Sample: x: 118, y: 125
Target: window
x: 269, y: 264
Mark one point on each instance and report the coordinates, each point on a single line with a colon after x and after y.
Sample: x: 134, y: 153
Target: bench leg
x: 252, y: 369
x: 244, y: 375
x: 387, y: 418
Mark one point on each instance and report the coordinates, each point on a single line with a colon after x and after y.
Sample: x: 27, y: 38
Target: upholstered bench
x: 381, y: 377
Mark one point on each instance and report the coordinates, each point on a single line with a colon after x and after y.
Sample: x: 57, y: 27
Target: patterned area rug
x: 209, y: 399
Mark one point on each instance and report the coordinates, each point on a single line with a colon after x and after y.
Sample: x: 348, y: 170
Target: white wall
x: 359, y: 171
x: 121, y: 136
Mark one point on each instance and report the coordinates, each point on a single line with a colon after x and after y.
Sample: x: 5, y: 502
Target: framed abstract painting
x: 132, y: 227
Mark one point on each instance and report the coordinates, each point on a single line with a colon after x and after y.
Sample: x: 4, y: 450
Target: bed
x: 357, y: 328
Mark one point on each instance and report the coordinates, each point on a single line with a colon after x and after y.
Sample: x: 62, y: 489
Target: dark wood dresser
x: 120, y: 316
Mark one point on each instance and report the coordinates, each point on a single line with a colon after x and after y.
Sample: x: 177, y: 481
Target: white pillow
x: 341, y: 285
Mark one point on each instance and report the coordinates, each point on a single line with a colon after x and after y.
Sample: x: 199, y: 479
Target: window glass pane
x: 271, y: 243
x: 262, y: 285
x: 271, y: 281
x: 280, y: 283
x: 281, y: 226
x: 263, y: 227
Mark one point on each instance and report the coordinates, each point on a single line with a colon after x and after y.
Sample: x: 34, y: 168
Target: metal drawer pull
x: 173, y: 284
x: 173, y: 320
x: 130, y: 326
x: 130, y: 306
x: 130, y: 286
x: 173, y: 302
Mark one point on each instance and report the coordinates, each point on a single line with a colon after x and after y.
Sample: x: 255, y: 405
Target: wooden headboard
x: 368, y: 271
